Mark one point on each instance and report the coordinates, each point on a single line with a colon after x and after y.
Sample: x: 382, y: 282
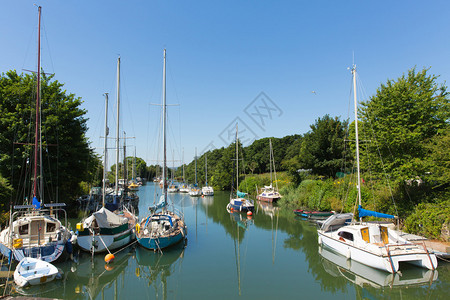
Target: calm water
x: 272, y: 255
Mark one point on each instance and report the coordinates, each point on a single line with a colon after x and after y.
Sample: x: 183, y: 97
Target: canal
x: 271, y: 255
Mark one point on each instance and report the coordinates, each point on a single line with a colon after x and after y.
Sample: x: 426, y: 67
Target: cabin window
x: 51, y: 227
x: 23, y: 229
x: 346, y: 235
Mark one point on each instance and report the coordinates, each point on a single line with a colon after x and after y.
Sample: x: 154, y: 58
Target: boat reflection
x: 339, y: 266
x: 156, y: 268
x: 93, y: 276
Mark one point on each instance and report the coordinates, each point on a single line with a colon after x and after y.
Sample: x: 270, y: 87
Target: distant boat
x: 35, y: 230
x: 270, y: 193
x: 163, y: 227
x: 34, y: 271
x: 207, y: 190
x: 316, y: 214
x: 194, y: 190
x: 239, y: 202
x: 372, y: 244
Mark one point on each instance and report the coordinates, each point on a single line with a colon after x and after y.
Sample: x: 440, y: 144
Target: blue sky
x: 257, y: 62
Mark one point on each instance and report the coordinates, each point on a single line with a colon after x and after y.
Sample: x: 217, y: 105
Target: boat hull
x: 32, y: 271
x: 161, y: 242
x: 267, y: 198
x: 382, y: 261
x: 103, y: 242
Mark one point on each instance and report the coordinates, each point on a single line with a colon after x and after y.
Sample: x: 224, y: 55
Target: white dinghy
x: 34, y: 271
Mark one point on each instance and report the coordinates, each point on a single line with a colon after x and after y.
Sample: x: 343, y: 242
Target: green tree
x: 67, y: 158
x: 400, y: 118
x: 322, y: 148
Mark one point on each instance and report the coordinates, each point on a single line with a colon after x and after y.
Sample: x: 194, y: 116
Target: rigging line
x: 361, y: 88
x: 48, y: 45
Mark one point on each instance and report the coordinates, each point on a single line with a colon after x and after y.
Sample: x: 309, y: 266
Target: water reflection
x: 155, y: 268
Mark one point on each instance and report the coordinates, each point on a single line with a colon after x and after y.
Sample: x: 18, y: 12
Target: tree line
x: 404, y: 129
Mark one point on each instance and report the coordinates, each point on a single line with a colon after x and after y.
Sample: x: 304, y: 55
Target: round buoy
x: 231, y: 208
x: 249, y: 213
x: 109, y: 258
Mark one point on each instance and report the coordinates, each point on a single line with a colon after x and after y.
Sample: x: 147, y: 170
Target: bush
x: 428, y: 218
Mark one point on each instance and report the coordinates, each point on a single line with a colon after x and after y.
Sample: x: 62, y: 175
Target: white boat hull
x: 380, y: 260
x: 31, y: 271
x: 100, y: 243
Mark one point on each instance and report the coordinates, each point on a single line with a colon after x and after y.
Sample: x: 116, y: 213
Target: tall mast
x: 270, y: 160
x: 38, y: 103
x: 116, y: 187
x: 164, y: 130
x: 356, y: 134
x: 105, y: 151
x: 195, y: 165
x: 183, y: 166
x: 237, y: 159
x: 206, y: 169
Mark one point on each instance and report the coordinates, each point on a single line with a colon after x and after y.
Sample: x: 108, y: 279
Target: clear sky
x: 273, y: 66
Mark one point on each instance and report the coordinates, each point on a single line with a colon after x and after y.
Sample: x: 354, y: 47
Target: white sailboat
x: 207, y: 190
x: 163, y: 227
x: 194, y: 190
x: 239, y: 202
x: 270, y: 193
x: 35, y: 230
x: 105, y: 230
x: 372, y: 244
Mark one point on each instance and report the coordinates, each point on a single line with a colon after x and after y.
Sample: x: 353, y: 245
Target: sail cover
x: 105, y: 219
x: 241, y: 194
x: 369, y: 213
x: 162, y: 203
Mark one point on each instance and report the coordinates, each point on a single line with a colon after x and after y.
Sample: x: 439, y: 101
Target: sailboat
x: 269, y: 193
x: 194, y: 190
x: 172, y: 188
x: 134, y: 186
x: 163, y: 227
x: 372, y: 244
x: 35, y: 230
x: 239, y: 203
x: 207, y: 190
x: 184, y: 188
x: 106, y: 230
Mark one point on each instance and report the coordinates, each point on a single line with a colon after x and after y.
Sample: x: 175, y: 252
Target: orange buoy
x: 231, y: 208
x: 249, y: 213
x: 109, y: 258
x: 109, y: 267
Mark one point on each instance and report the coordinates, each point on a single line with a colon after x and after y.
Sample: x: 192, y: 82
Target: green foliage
x: 428, y: 218
x: 67, y: 157
x: 322, y: 149
x: 399, y: 120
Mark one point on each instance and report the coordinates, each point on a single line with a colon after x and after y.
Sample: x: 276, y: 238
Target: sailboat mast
x: 195, y: 165
x: 237, y: 159
x: 270, y: 160
x: 183, y: 165
x: 105, y: 151
x: 164, y: 130
x: 356, y: 134
x: 206, y: 169
x: 116, y: 187
x: 38, y: 94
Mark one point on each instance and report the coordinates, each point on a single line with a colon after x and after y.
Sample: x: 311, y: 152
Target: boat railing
x: 51, y: 209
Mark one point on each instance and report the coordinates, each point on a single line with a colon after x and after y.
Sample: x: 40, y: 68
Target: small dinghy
x: 33, y: 271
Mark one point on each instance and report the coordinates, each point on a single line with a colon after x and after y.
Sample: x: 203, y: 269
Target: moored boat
x: 374, y: 244
x: 34, y: 271
x: 163, y: 227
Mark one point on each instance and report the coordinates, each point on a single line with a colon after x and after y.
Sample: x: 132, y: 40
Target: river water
x: 271, y: 255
